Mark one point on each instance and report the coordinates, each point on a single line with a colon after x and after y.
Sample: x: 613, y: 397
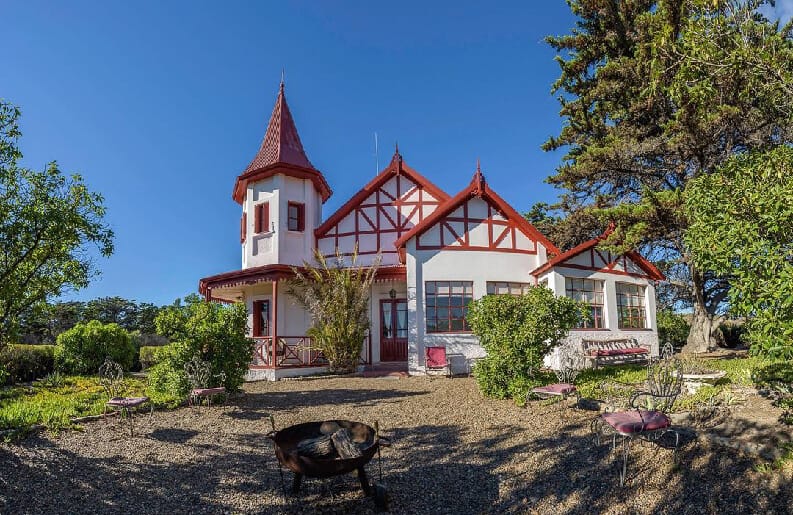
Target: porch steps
x: 386, y: 370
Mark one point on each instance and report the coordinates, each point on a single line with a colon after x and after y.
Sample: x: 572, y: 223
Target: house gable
x: 477, y: 219
x: 394, y: 202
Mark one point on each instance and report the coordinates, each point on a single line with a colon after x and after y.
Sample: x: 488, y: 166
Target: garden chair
x: 435, y: 359
x: 647, y: 417
x: 571, y: 363
x: 111, y: 377
x: 199, y: 374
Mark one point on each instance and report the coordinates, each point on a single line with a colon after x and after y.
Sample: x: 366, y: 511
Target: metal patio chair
x: 647, y: 417
x: 202, y: 382
x: 435, y: 359
x: 111, y: 377
x: 571, y: 363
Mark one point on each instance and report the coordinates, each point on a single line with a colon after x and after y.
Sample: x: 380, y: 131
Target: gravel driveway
x: 454, y: 452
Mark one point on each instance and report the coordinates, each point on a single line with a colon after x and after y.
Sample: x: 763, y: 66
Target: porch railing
x: 295, y: 351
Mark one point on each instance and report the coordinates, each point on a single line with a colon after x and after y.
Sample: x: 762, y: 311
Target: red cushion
x: 555, y: 389
x: 629, y: 422
x: 436, y: 356
x: 127, y: 402
x: 208, y: 391
x: 619, y: 352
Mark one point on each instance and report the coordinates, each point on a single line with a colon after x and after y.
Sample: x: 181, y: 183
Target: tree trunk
x: 700, y: 336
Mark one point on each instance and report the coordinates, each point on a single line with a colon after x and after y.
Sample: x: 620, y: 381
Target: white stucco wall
x: 649, y: 335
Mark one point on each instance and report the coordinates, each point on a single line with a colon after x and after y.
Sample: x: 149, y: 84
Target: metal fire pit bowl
x: 285, y: 442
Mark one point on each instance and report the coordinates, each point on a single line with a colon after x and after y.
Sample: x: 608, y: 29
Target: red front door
x: 394, y: 330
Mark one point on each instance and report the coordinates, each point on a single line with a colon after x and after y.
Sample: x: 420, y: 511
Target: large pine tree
x: 654, y: 94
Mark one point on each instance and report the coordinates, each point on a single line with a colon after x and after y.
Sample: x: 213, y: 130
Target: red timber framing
x: 379, y: 214
x: 507, y: 231
x: 587, y: 256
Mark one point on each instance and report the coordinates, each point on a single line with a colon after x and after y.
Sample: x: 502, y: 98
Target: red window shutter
x: 243, y: 223
x: 265, y: 217
x: 257, y: 318
x: 257, y: 219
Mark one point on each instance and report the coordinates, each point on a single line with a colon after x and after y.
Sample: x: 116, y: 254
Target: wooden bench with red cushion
x: 622, y: 350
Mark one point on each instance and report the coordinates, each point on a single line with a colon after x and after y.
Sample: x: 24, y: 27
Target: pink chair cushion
x: 436, y: 356
x: 208, y: 391
x: 628, y: 422
x: 127, y: 402
x: 555, y: 389
x: 618, y: 352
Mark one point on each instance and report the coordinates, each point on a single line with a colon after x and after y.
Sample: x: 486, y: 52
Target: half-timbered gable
x: 478, y: 219
x: 394, y: 202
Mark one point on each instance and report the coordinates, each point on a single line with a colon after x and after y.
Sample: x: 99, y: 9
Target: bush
x: 213, y: 332
x: 83, y: 348
x: 732, y: 333
x: 517, y: 332
x: 672, y: 328
x: 23, y: 363
x: 150, y: 356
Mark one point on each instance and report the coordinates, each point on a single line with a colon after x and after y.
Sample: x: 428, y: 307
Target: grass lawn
x: 52, y: 402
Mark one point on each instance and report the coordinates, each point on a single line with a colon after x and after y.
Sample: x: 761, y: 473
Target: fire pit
x: 329, y: 448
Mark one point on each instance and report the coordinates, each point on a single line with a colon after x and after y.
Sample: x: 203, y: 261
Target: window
x: 243, y: 223
x: 261, y: 318
x: 590, y: 292
x: 504, y: 288
x: 630, y: 306
x: 261, y: 218
x: 446, y: 304
x: 295, y: 215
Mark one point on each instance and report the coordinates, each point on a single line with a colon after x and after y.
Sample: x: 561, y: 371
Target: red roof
x: 478, y: 188
x: 395, y: 167
x: 651, y: 270
x: 280, y: 152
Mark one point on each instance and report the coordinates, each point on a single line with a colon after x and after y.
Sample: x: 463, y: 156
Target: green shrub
x: 83, y: 348
x: 732, y: 333
x: 213, y: 332
x: 23, y: 363
x: 517, y: 332
x: 151, y: 355
x: 672, y: 328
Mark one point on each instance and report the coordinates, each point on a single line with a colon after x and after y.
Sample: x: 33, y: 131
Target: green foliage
x: 48, y: 222
x: 213, y: 332
x: 672, y: 327
x: 517, y: 332
x: 152, y: 355
x: 654, y: 94
x: 733, y: 333
x: 742, y: 227
x: 83, y: 348
x: 23, y: 363
x: 337, y: 296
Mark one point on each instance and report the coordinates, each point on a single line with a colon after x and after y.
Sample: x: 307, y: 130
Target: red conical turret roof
x: 281, y: 152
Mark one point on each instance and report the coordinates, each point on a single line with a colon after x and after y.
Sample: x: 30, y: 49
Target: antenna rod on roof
x: 376, y: 156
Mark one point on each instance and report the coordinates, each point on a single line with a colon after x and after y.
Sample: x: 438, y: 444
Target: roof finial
x: 479, y: 179
x: 283, y: 72
x: 397, y: 157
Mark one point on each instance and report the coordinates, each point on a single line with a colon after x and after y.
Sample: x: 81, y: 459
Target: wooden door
x: 394, y: 330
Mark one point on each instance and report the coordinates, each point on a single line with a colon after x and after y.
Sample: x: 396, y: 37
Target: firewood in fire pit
x: 344, y: 445
x: 320, y: 447
x: 329, y: 427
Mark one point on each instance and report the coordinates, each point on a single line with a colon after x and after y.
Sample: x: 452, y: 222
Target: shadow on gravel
x: 335, y: 396
x: 585, y: 477
x: 173, y: 435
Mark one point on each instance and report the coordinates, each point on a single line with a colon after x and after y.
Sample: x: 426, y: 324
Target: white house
x: 438, y: 253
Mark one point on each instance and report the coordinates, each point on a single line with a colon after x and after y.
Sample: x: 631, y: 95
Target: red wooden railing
x: 296, y: 351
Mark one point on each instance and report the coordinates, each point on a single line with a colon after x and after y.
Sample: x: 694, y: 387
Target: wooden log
x: 320, y: 447
x: 342, y: 441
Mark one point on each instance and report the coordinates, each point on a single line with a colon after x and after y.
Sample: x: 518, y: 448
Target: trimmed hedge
x: 83, y: 348
x: 151, y: 355
x: 23, y: 363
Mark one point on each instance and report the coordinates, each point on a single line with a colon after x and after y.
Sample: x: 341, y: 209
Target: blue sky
x: 160, y: 105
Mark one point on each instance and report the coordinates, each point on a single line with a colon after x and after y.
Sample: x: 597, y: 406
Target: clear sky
x: 160, y: 105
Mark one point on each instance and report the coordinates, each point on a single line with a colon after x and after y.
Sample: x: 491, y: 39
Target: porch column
x: 274, y: 325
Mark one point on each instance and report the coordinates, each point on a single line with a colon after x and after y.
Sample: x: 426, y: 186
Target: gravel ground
x: 453, y: 452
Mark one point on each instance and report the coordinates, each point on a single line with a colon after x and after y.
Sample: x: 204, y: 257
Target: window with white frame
x: 590, y: 292
x: 630, y: 306
x: 506, y: 288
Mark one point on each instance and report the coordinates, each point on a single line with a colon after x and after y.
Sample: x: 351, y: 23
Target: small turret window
x: 296, y: 217
x: 262, y: 217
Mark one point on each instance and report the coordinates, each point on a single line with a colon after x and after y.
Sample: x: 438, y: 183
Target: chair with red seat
x: 111, y: 377
x: 435, y: 359
x: 570, y: 364
x: 647, y: 417
x: 203, y: 382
